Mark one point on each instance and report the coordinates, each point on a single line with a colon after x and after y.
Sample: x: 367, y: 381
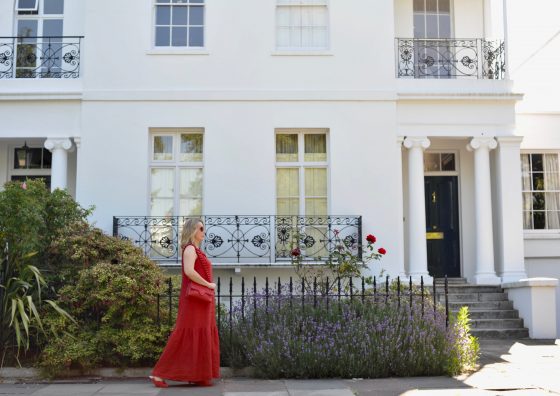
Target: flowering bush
x: 343, y: 263
x: 287, y: 339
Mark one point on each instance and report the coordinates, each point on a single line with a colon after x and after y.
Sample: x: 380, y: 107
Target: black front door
x: 442, y: 226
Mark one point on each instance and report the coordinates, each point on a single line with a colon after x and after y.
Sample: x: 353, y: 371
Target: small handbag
x: 200, y: 292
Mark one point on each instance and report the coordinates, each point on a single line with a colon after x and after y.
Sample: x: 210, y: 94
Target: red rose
x: 296, y: 252
x: 381, y: 251
x: 371, y: 239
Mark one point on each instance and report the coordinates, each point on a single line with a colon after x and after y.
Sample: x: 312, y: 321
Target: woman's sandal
x: 158, y: 383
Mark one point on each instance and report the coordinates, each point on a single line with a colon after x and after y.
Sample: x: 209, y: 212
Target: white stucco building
x: 391, y: 117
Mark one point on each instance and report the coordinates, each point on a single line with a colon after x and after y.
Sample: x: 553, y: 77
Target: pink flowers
x: 24, y: 185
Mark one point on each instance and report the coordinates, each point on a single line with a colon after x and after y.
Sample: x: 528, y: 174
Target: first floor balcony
x: 235, y: 239
x: 40, y: 57
x: 449, y: 58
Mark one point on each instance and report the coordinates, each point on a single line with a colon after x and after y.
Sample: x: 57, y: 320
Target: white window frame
x: 175, y: 164
x: 532, y: 233
x: 444, y: 173
x: 301, y: 165
x: 161, y: 49
x: 18, y: 8
x: 25, y: 172
x: 296, y: 50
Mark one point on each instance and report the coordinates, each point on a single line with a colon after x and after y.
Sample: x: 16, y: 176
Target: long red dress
x: 192, y: 352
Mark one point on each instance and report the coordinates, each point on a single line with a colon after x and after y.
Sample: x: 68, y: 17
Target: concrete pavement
x: 522, y: 367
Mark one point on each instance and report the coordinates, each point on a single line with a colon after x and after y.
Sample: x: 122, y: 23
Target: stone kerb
x: 535, y: 299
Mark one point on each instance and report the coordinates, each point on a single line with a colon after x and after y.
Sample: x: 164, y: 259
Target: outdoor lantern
x: 23, y: 156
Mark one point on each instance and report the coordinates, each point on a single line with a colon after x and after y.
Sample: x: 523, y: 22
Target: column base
x: 487, y: 279
x: 513, y: 276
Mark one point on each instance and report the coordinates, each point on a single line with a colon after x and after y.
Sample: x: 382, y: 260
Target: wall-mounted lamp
x: 24, y: 156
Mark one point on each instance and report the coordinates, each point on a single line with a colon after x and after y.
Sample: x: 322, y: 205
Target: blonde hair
x: 189, y: 229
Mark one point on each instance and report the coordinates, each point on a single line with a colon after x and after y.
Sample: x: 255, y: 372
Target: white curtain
x: 552, y: 186
x: 162, y: 193
x: 163, y: 148
x: 526, y: 187
x: 286, y: 147
x: 287, y: 191
x: 300, y: 26
x: 315, y: 147
x: 190, y: 190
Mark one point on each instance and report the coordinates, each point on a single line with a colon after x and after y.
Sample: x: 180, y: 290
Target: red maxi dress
x: 192, y: 353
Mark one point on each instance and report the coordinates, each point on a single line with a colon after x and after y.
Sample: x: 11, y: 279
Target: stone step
x: 469, y: 289
x: 481, y: 305
x: 492, y: 314
x: 455, y: 297
x: 454, y: 281
x: 496, y: 324
x: 504, y: 334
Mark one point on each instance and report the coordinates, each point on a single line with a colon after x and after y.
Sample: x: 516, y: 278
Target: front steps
x: 492, y: 314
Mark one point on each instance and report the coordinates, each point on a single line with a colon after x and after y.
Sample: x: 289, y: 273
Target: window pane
x: 53, y: 28
x: 315, y: 147
x: 179, y: 36
x: 431, y: 162
x: 538, y: 201
x: 287, y: 182
x: 196, y: 37
x: 196, y: 15
x: 536, y: 162
x: 315, y: 182
x: 28, y: 4
x: 34, y: 156
x: 448, y: 162
x: 163, y: 148
x: 316, y: 207
x: 419, y: 26
x: 191, y: 148
x: 444, y: 6
x: 553, y: 220
x: 286, y: 148
x: 162, y: 192
x: 163, y: 36
x: 163, y: 15
x: 431, y: 5
x: 54, y: 7
x: 539, y: 222
x: 418, y: 5
x: 27, y: 28
x: 538, y: 181
x: 287, y: 206
x: 190, y: 190
x: 444, y: 26
x: 431, y: 26
x: 180, y: 15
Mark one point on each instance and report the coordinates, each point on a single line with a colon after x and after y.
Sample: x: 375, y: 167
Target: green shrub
x: 466, y: 349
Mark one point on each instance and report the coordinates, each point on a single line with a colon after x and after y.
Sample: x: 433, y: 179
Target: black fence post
x: 230, y: 308
x: 327, y: 295
x: 360, y: 245
x: 243, y: 298
x: 422, y: 292
x: 291, y: 292
x: 351, y: 290
x: 115, y: 226
x: 279, y: 292
x: 434, y: 297
x: 254, y: 300
x: 266, y: 294
x: 446, y: 304
x: 398, y: 292
x: 303, y: 294
x: 375, y: 289
x: 219, y: 306
x: 410, y: 291
x: 170, y: 296
x: 363, y: 289
x: 315, y: 292
x: 386, y: 289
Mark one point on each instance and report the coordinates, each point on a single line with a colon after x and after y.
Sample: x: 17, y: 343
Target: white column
x: 485, y: 272
x: 417, y: 250
x: 59, y: 148
x: 511, y: 254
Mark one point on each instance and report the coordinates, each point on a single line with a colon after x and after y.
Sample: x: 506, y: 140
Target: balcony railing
x: 450, y: 58
x: 40, y: 57
x: 245, y: 239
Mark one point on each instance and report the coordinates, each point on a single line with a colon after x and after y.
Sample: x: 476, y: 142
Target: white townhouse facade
x: 285, y: 119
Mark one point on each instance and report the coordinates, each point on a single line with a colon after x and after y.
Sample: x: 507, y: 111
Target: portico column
x: 484, y: 236
x: 59, y: 148
x: 511, y: 254
x: 400, y: 270
x: 417, y: 251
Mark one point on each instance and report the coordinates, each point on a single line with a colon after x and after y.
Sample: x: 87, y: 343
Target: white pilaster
x: 484, y: 236
x: 59, y: 148
x: 400, y: 271
x: 417, y: 250
x: 509, y: 201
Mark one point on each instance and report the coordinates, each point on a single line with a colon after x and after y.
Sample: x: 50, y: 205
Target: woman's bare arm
x: 189, y: 257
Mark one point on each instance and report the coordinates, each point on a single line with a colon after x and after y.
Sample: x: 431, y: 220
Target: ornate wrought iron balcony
x: 40, y: 57
x: 450, y: 58
x: 245, y: 239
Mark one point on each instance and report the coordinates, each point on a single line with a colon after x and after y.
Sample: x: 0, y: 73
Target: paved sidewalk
x: 524, y: 367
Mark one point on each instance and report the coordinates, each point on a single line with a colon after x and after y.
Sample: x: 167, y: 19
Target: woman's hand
x: 211, y: 286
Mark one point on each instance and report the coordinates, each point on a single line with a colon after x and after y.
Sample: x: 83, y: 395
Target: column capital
x: 417, y: 141
x: 482, y: 142
x: 58, y: 143
x: 514, y: 141
x: 77, y: 141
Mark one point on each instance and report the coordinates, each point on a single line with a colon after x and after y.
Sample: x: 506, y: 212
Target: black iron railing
x: 450, y: 58
x: 310, y: 293
x: 40, y: 57
x: 245, y: 239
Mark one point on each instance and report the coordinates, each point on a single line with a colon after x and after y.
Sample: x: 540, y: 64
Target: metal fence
x: 450, y: 58
x: 40, y: 57
x: 246, y: 239
x: 310, y: 293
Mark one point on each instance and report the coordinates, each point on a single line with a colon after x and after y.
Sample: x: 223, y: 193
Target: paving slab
x: 20, y: 389
x: 273, y: 393
x: 322, y: 392
x: 252, y: 385
x: 68, y: 390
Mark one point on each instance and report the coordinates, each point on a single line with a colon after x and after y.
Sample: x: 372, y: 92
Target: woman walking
x: 192, y: 353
